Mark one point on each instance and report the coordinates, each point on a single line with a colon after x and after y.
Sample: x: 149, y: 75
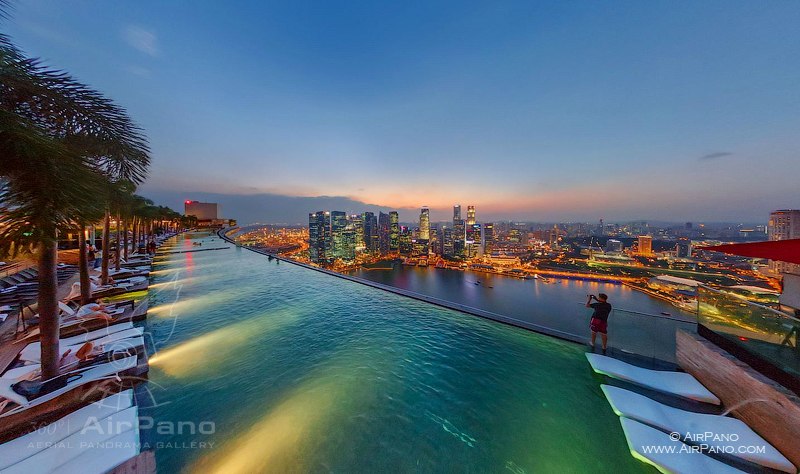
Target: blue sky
x: 529, y: 110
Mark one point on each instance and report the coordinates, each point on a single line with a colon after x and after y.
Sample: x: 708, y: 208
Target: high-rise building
x: 447, y: 242
x: 683, y: 248
x: 394, y: 231
x: 783, y: 225
x: 404, y: 241
x: 370, y: 231
x: 645, y: 245
x: 319, y: 224
x: 425, y: 224
x: 457, y: 212
x: 338, y: 224
x: 488, y: 238
x: 459, y: 232
x: 470, y: 215
x: 472, y: 245
x: 357, y: 221
x: 383, y: 233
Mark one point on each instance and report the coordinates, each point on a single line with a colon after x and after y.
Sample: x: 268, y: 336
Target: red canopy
x: 783, y: 250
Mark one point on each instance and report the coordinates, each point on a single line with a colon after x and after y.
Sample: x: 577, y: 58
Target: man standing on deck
x: 599, y: 322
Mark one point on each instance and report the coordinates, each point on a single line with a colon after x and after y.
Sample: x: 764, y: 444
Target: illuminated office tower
x: 357, y: 221
x: 383, y: 233
x: 447, y: 241
x: 404, y: 241
x: 783, y: 225
x: 488, y: 238
x: 348, y: 253
x: 319, y: 225
x: 470, y: 215
x: 425, y: 224
x: 456, y: 213
x: 472, y: 244
x: 394, y: 231
x: 338, y: 224
x: 370, y: 231
x: 645, y: 245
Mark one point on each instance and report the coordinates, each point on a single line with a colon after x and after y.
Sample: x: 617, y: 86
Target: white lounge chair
x: 19, y: 449
x: 652, y: 446
x: 33, y: 352
x: 93, y: 440
x: 673, y: 420
x: 74, y: 379
x: 679, y: 384
x: 105, y: 457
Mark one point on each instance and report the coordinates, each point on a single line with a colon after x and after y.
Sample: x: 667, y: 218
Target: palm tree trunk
x: 106, y: 253
x: 49, y: 320
x: 125, y: 239
x: 119, y: 247
x: 83, y: 268
x: 134, y: 228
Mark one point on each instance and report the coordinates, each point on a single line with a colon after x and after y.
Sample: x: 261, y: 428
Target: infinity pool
x: 265, y: 367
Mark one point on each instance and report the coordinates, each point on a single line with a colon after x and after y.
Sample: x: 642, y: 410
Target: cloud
x: 715, y: 155
x: 138, y: 71
x: 141, y: 39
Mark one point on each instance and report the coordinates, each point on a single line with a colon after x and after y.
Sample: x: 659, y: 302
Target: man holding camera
x: 599, y: 322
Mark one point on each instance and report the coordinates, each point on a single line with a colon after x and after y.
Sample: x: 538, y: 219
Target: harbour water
x: 264, y: 367
x: 640, y: 324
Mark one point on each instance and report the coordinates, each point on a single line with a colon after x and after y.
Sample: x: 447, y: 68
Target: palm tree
x: 59, y: 141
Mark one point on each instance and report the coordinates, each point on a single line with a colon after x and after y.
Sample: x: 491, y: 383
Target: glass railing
x: 647, y: 337
x: 766, y: 333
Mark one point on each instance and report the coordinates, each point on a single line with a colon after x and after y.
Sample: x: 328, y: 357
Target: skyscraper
x: 488, y: 238
x: 783, y: 225
x: 370, y: 231
x: 447, y: 241
x: 394, y: 231
x: 459, y: 232
x: 357, y: 221
x: 470, y: 215
x: 338, y: 224
x: 319, y: 224
x: 425, y: 224
x: 383, y: 233
x: 645, y: 245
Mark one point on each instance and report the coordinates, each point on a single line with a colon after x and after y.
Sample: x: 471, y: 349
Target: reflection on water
x: 284, y: 438
x: 206, y: 354
x: 450, y: 428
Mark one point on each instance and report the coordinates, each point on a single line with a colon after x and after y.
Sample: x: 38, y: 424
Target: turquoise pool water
x: 265, y: 367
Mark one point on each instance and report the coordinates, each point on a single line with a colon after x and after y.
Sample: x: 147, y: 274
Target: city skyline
x: 534, y: 112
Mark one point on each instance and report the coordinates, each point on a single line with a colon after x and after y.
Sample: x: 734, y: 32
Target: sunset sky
x: 528, y: 110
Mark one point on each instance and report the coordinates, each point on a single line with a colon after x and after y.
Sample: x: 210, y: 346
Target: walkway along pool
x: 258, y: 366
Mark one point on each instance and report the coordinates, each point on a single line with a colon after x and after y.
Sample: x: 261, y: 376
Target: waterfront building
x: 472, y: 244
x: 783, y: 225
x: 425, y: 224
x: 614, y: 246
x: 319, y: 224
x: 338, y: 224
x: 488, y: 238
x: 383, y: 233
x: 348, y: 251
x: 420, y: 248
x: 370, y: 232
x: 459, y: 237
x: 394, y: 231
x: 645, y: 245
x: 207, y: 213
